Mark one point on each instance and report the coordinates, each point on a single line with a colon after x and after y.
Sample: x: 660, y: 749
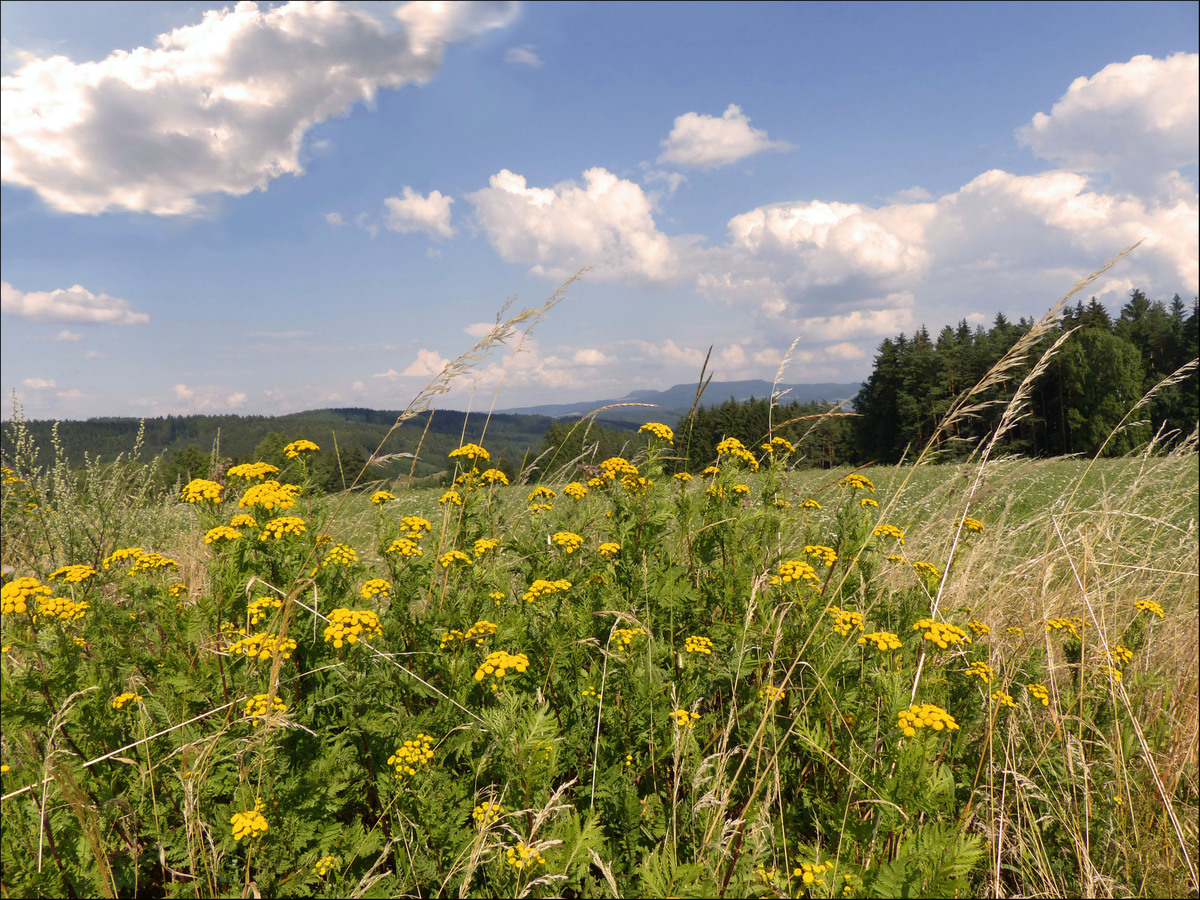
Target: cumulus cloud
x: 428, y: 364
x: 72, y: 394
x: 335, y: 219
x: 414, y: 212
x: 183, y: 392
x: 38, y: 384
x: 525, y: 55
x: 607, y: 223
x: 590, y: 356
x: 1136, y: 120
x: 706, y: 141
x: 221, y: 107
x: 233, y: 401
x: 74, y: 304
x: 66, y: 336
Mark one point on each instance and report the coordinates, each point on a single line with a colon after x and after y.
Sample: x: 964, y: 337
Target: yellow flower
x: 795, y: 570
x: 249, y: 824
x: 1113, y: 673
x: 484, y: 545
x: 810, y: 504
x: 259, y: 470
x: 811, y: 874
x: 941, y: 633
x: 262, y: 646
x: 413, y: 754
x: 972, y: 524
x: 1003, y: 699
x: 1039, y: 692
x: 270, y: 494
x: 982, y: 671
x: 697, y: 644
x: 120, y: 700
x: 845, y: 621
x: 281, y: 525
x: 521, y: 856
x: 404, y: 547
x: 325, y: 865
x: 382, y: 497
x: 576, y: 490
x: 542, y: 588
x: 340, y: 555
x: 414, y: 527
x: 868, y: 503
x: 177, y: 589
x: 779, y: 445
x: 859, y: 482
x: 498, y: 663
x: 926, y: 569
x: 827, y: 555
x: 201, y: 489
x: 73, y: 574
x: 623, y: 637
x: 889, y: 531
x: 733, y: 447
x: 453, y: 556
x: 568, y: 540
x: 295, y: 448
x: 18, y: 595
x: 541, y: 493
x: 884, y: 640
x: 609, y: 549
x: 660, y: 431
x: 375, y: 587
x: 261, y: 608
x: 345, y: 625
x: 978, y: 627
x: 1120, y: 655
x: 1149, y: 606
x: 486, y: 813
x: 925, y: 715
x: 479, y: 631
x: 62, y: 609
x: 256, y: 708
x: 222, y: 533
x: 471, y: 452
x: 682, y: 477
x: 711, y: 472
x: 452, y: 497
x: 772, y: 694
x: 685, y: 718
x: 1068, y: 625
x: 149, y: 561
x: 243, y: 520
x: 494, y: 476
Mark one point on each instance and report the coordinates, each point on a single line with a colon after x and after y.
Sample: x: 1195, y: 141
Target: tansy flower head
x: 771, y: 694
x: 845, y: 621
x: 295, y: 448
x: 1039, y: 692
x: 794, y: 570
x: 926, y: 570
x: 120, y: 700
x: 270, y: 494
x: 485, y: 545
x: 978, y: 627
x: 345, y: 625
x: 249, y: 471
x: 454, y: 556
x: 623, y: 637
x: 340, y: 555
x: 382, y: 497
x: 660, y: 431
x: 494, y: 476
x: 858, y: 482
x: 827, y: 555
x: 415, y: 527
x: 884, y: 640
x: 73, y: 574
x: 262, y: 646
x: 486, y: 813
x: 452, y: 497
x: 698, y: 644
x: 201, y: 489
x: 257, y: 707
x: 779, y: 445
x: 925, y: 715
x: 1149, y: 606
x: 521, y: 856
x: 249, y: 824
x: 685, y: 718
x: 682, y: 477
x: 498, y: 664
x: 609, y: 549
x: 222, y: 533
x: 575, y: 490
x: 542, y: 588
x: 568, y: 540
x: 1003, y: 699
x: 733, y: 447
x: 972, y: 524
x: 412, y: 755
x: 942, y: 633
x: 889, y: 531
x: 148, y: 562
x: 868, y: 503
x: 404, y: 547
x: 261, y: 608
x: 982, y: 671
x: 243, y: 520
x: 471, y: 452
x: 325, y: 865
x: 810, y: 504
x: 375, y: 587
x: 279, y: 526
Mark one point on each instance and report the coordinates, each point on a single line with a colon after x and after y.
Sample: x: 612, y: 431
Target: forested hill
x: 1097, y: 376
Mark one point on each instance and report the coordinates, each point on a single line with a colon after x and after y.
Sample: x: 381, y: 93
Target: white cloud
x: 72, y: 394
x: 591, y: 357
x: 66, y: 336
x: 75, y: 304
x: 525, y: 55
x: 363, y: 221
x: 479, y: 329
x: 672, y: 179
x: 390, y: 374
x: 845, y: 350
x: 414, y: 212
x: 183, y: 392
x: 427, y: 364
x: 707, y: 142
x: 221, y: 107
x: 335, y: 219
x: 37, y: 384
x: 606, y: 224
x: 233, y: 401
x: 1137, y: 120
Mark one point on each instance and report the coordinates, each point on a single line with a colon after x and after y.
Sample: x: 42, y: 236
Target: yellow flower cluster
x: 471, y: 452
x: 884, y: 640
x: 260, y: 608
x: 345, y: 625
x: 281, y: 525
x: 498, y: 663
x: 295, y: 448
x: 148, y: 562
x: 589, y: 693
x: 411, y: 755
x: 697, y: 644
x: 711, y: 472
x: 615, y: 467
x: 452, y: 497
x: 259, y: 470
x: 542, y: 588
x: 660, y: 431
x: 972, y: 524
x: 270, y: 494
x: 685, y: 718
x: 479, y: 631
x: 251, y: 823
x: 1115, y: 674
x: 740, y: 489
x: 795, y: 570
x: 375, y: 587
x: 925, y: 715
x: 926, y: 570
x: 541, y: 493
x: 486, y: 813
x: 452, y: 635
x: 256, y: 707
x: 733, y: 447
x: 1039, y: 692
x: 846, y: 621
x: 16, y: 596
x: 868, y: 503
x: 382, y: 497
x: 340, y: 555
x: 942, y: 633
x: 62, y: 609
x: 176, y: 589
x: 8, y: 476
x: 414, y: 527
x: 978, y: 627
x: 404, y: 547
x: 1003, y: 699
x: 222, y: 533
x: 521, y: 857
x: 772, y: 694
x: 623, y: 637
x: 454, y: 556
x: 568, y: 540
x: 1071, y: 626
x: 682, y: 477
x: 811, y: 874
x: 860, y: 482
x: 575, y: 490
x: 889, y: 531
x: 716, y: 491
x: 325, y: 865
x: 779, y: 445
x: 201, y: 489
x: 810, y: 503
x: 609, y: 549
x: 1120, y: 655
x: 262, y: 646
x: 827, y: 555
x: 73, y: 574
x: 243, y: 520
x: 1149, y: 606
x: 120, y: 700
x: 982, y: 671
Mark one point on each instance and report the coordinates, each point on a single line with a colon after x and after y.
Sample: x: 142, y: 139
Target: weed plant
x: 760, y: 681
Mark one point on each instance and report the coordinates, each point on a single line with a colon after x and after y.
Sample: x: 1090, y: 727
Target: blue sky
x: 270, y: 208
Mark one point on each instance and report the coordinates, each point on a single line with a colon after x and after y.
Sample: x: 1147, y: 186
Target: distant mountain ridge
x: 676, y: 401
